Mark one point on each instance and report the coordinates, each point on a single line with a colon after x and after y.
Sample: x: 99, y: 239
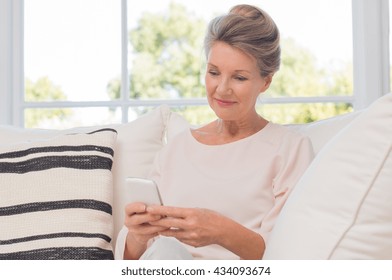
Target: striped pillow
x: 56, y: 197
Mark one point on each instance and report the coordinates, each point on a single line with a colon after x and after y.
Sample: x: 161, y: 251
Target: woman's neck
x: 221, y: 132
x: 240, y: 129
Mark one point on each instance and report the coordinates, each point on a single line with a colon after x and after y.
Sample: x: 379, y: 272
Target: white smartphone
x: 142, y: 190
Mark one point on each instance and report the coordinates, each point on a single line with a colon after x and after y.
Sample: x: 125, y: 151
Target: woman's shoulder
x: 285, y: 130
x: 285, y: 134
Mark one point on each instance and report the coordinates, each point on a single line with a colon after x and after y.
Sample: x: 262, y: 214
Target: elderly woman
x: 224, y: 183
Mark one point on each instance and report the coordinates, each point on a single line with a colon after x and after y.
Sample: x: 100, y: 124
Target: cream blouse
x: 247, y: 180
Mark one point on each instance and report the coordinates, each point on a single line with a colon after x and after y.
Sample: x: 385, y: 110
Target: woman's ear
x: 266, y: 83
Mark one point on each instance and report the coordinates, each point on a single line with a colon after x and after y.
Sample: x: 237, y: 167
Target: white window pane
x: 316, y: 47
x: 74, y: 45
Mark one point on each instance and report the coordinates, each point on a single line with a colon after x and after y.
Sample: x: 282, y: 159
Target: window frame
x: 370, y: 65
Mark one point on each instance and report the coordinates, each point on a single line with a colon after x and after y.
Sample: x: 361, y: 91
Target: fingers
x: 175, y: 217
x: 193, y: 226
x: 136, y: 207
x: 169, y: 222
x: 180, y: 234
x: 171, y: 217
x: 138, y: 221
x: 168, y: 211
x: 135, y: 215
x: 146, y: 229
x: 140, y: 229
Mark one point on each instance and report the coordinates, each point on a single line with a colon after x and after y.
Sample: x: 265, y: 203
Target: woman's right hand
x: 140, y: 231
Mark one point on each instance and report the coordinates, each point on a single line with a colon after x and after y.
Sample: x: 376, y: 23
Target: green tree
x: 43, y: 90
x: 164, y: 48
x: 167, y: 59
x: 170, y: 42
x: 299, y: 76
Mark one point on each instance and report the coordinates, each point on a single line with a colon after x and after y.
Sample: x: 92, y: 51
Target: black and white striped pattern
x: 56, y: 197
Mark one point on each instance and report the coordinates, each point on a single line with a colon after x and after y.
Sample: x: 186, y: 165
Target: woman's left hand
x: 193, y: 226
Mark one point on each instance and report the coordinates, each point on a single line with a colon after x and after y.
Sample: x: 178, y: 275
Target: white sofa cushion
x: 136, y: 146
x: 321, y: 132
x: 341, y: 208
x: 56, y: 197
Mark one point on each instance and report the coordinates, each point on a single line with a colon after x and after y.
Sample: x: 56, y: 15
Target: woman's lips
x: 225, y: 103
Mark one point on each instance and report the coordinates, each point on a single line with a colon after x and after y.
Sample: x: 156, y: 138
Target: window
x: 89, y: 62
x: 71, y: 51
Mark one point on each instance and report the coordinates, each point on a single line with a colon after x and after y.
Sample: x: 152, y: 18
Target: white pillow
x: 341, y: 208
x: 136, y: 146
x: 320, y: 132
x: 56, y: 197
x: 176, y: 124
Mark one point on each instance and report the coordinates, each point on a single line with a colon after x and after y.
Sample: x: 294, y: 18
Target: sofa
x: 62, y: 192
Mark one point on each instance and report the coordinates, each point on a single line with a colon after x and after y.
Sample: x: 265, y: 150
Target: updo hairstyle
x: 251, y: 30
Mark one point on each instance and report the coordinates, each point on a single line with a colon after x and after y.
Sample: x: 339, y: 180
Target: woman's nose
x: 223, y: 86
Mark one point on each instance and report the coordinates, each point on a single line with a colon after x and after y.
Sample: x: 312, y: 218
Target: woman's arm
x: 200, y: 227
x: 243, y: 242
x: 133, y: 249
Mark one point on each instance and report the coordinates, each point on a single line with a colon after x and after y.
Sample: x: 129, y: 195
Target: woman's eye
x: 240, y: 78
x: 213, y: 73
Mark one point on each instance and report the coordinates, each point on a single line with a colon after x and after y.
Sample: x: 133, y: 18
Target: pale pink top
x: 247, y: 180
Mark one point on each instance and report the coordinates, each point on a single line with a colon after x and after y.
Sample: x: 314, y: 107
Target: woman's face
x: 233, y: 82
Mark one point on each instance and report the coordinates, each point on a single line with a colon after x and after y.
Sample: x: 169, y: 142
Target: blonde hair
x: 251, y: 30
